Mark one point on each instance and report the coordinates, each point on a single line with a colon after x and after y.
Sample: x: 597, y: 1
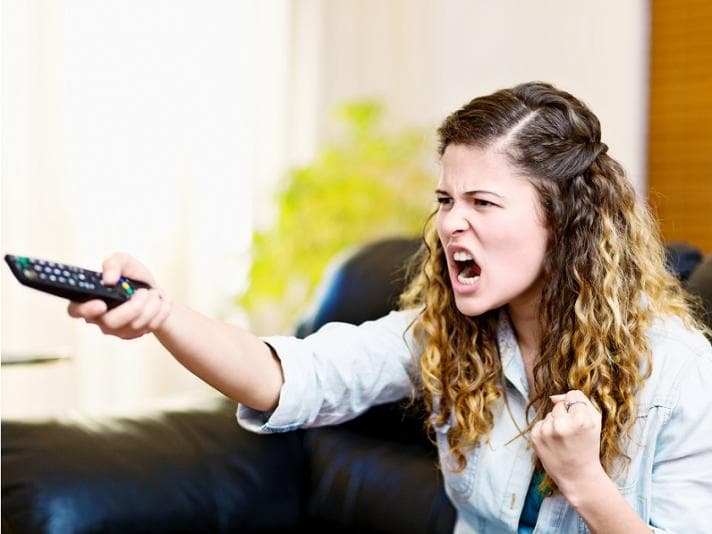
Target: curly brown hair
x: 605, y: 277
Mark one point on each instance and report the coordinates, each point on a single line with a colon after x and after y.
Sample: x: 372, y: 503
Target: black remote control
x: 70, y: 282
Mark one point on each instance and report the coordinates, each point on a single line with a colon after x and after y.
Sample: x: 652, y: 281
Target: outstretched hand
x: 568, y: 440
x: 144, y: 312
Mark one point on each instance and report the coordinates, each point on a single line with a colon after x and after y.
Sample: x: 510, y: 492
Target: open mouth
x: 468, y: 270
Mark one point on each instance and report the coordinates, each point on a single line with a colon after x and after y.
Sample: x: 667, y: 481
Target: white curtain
x: 157, y: 127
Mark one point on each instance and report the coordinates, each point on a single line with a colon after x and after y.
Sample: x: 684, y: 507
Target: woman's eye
x: 484, y: 203
x: 444, y: 201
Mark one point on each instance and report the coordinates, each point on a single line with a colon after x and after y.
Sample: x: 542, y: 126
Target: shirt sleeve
x: 338, y: 372
x: 681, y: 497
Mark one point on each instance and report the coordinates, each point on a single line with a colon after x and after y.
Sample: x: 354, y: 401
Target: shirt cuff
x: 295, y: 396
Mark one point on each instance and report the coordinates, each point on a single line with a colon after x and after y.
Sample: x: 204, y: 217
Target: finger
x: 166, y: 306
x: 123, y: 315
x: 90, y: 310
x: 576, y: 395
x: 559, y: 408
x: 576, y: 401
x: 73, y: 310
x: 547, y: 426
x: 122, y: 264
x: 113, y: 267
x: 557, y: 398
x: 563, y: 427
x: 151, y: 308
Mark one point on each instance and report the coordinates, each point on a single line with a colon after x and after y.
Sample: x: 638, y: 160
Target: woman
x: 565, y: 375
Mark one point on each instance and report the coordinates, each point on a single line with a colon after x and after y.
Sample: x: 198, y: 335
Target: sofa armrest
x: 173, y: 471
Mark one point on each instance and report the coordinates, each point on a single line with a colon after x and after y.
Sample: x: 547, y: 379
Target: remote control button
x: 81, y: 276
x: 66, y: 273
x: 31, y: 275
x: 72, y: 282
x: 52, y: 278
x: 56, y: 271
x: 43, y: 276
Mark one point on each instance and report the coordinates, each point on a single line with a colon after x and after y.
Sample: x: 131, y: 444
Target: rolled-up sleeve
x: 339, y: 372
x: 682, y: 472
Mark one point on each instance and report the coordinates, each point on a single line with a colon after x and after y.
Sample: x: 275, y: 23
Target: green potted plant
x: 370, y: 185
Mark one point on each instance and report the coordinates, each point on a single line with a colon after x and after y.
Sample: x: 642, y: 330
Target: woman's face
x: 491, y: 229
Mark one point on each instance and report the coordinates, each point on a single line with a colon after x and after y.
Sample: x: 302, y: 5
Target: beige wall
x: 426, y: 58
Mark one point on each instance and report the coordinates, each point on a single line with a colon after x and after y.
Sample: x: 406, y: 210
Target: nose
x: 453, y: 221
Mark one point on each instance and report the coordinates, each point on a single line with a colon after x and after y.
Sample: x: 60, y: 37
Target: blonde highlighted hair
x: 605, y: 278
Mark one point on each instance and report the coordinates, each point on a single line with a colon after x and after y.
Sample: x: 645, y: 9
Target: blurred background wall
x: 163, y: 128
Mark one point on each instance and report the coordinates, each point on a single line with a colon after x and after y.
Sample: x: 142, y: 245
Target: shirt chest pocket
x: 458, y: 484
x: 635, y: 476
x: 634, y: 479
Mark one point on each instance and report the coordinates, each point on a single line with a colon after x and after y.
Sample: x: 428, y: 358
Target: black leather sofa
x: 196, y: 470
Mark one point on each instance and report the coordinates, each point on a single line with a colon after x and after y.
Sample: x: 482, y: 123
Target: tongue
x: 471, y: 270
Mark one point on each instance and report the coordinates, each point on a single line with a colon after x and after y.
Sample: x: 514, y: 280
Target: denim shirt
x: 340, y: 371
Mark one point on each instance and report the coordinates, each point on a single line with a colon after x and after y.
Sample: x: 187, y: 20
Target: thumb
x: 557, y: 398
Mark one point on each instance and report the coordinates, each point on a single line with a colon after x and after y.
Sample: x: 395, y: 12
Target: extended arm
x: 228, y: 358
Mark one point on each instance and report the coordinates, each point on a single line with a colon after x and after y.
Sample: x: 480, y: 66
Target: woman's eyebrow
x: 482, y: 191
x: 470, y: 193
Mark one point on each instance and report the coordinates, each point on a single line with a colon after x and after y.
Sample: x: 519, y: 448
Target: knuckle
x: 111, y: 323
x: 146, y: 293
x: 110, y: 261
x: 117, y: 260
x: 558, y: 429
x: 138, y: 297
x: 140, y: 322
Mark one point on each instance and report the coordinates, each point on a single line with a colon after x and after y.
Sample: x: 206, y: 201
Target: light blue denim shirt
x: 342, y: 370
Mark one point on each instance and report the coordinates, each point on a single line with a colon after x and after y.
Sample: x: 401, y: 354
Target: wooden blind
x: 680, y: 143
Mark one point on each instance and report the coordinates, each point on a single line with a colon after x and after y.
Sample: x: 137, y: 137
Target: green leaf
x: 370, y: 185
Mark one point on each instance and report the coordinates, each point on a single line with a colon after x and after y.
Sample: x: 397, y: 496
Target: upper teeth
x: 462, y: 256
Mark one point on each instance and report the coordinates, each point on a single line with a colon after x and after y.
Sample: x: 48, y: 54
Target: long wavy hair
x: 605, y: 277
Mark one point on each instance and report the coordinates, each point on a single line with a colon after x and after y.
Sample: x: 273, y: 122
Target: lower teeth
x: 467, y: 281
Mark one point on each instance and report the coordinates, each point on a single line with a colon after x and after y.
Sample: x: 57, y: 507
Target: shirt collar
x: 510, y: 356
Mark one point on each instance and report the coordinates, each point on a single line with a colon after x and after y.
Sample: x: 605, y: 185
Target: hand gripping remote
x: 70, y: 282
